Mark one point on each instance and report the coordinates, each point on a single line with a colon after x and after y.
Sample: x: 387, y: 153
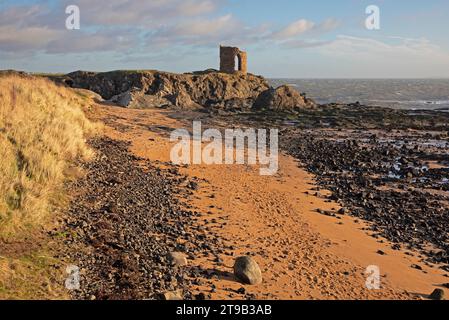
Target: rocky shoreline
x: 398, y: 181
x: 388, y: 167
x: 128, y: 232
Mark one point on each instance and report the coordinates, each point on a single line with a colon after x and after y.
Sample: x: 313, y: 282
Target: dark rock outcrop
x: 284, y: 98
x: 180, y: 90
x: 208, y: 89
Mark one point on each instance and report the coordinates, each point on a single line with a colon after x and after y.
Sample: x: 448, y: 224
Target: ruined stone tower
x: 228, y: 57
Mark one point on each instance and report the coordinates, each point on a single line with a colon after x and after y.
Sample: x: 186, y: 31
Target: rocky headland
x: 210, y: 90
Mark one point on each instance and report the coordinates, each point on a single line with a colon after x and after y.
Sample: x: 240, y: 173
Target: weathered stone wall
x: 227, y: 60
x: 243, y: 62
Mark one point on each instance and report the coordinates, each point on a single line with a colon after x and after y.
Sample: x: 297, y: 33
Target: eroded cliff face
x: 207, y: 89
x: 201, y: 88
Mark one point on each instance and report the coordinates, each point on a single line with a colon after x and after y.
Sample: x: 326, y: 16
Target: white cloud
x: 201, y: 27
x: 369, y: 48
x: 305, y: 27
x: 115, y: 25
x: 40, y: 28
x: 388, y: 57
x: 126, y: 28
x: 202, y: 32
x: 298, y: 44
x: 28, y: 38
x: 21, y: 16
x: 327, y: 25
x: 92, y: 42
x: 296, y: 28
x: 140, y: 13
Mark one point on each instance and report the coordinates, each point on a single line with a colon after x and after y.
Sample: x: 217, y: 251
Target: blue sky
x: 284, y: 38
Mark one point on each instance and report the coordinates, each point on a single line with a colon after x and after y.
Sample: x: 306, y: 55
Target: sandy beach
x: 302, y: 254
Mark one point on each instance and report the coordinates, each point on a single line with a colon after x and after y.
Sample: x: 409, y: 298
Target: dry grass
x: 42, y: 130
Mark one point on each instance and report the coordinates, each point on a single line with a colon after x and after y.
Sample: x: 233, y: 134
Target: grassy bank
x: 42, y: 132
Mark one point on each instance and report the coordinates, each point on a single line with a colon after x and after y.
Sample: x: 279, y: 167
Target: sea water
x: 411, y: 94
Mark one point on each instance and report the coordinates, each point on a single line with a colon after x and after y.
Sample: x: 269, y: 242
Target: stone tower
x: 228, y: 60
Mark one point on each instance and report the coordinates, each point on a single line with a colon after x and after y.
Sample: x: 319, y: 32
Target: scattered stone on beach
x: 326, y: 213
x: 416, y: 266
x: 437, y: 294
x: 203, y: 296
x: 383, y: 180
x: 247, y: 270
x: 172, y: 295
x: 125, y: 221
x: 193, y: 185
x: 241, y: 291
x: 177, y: 259
x: 367, y: 175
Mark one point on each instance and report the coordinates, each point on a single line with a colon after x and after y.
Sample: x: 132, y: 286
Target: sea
x: 411, y: 94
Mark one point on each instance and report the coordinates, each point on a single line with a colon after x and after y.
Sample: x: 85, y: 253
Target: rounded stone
x: 247, y: 270
x: 172, y: 295
x: 437, y: 294
x: 178, y: 259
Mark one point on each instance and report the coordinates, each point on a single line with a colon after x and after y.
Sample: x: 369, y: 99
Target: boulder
x: 138, y: 100
x: 177, y: 259
x: 437, y: 294
x: 247, y: 270
x: 124, y: 99
x: 172, y: 295
x: 283, y: 98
